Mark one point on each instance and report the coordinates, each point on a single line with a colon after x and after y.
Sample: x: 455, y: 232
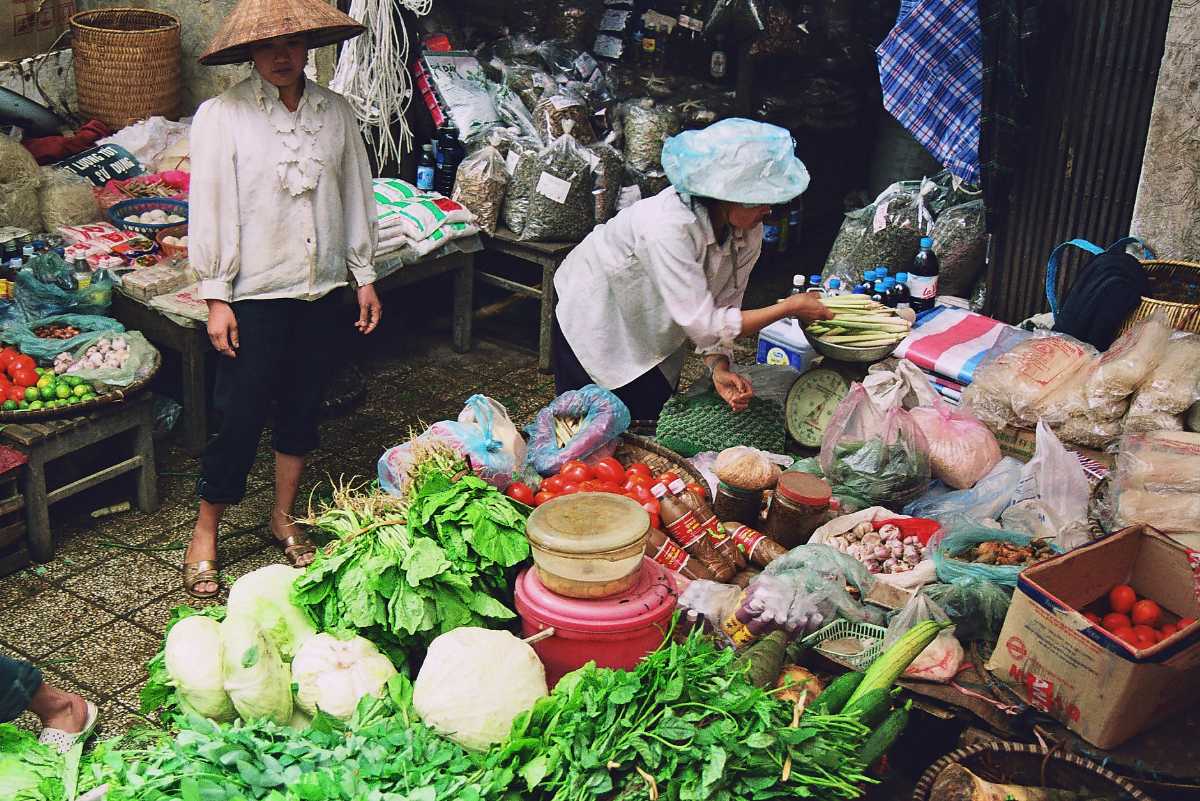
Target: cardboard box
x: 1095, y: 684
x: 30, y: 27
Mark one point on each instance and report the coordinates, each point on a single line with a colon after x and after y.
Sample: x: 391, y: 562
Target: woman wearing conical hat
x: 281, y: 214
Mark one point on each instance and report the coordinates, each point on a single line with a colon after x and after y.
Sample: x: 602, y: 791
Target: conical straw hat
x: 254, y: 21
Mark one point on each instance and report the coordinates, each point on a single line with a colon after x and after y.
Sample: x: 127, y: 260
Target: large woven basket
x: 127, y: 64
x: 1032, y: 765
x: 1170, y: 278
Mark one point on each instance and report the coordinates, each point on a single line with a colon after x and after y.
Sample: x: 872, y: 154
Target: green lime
x: 46, y: 392
x: 23, y: 405
x: 45, y: 381
x: 91, y: 396
x: 39, y: 370
x: 36, y: 405
x: 79, y: 390
x: 62, y: 391
x: 31, y: 393
x: 72, y: 380
x: 73, y: 400
x: 10, y: 406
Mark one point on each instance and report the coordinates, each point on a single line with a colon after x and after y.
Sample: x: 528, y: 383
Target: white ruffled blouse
x: 281, y: 203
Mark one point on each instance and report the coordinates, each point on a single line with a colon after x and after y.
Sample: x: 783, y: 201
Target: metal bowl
x: 851, y: 353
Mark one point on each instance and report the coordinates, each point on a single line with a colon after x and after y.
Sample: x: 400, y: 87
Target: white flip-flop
x: 62, y: 741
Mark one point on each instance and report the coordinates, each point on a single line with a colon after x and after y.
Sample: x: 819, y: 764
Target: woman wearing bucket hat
x: 673, y: 268
x: 281, y: 213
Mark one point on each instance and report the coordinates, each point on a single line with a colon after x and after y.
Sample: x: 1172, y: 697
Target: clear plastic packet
x: 960, y: 243
x: 647, y: 125
x: 985, y: 501
x: 480, y: 185
x: 610, y: 172
x: 1089, y: 432
x: 1021, y: 373
x: 962, y: 450
x: 559, y: 113
x: 942, y: 658
x: 1128, y: 362
x: 530, y: 83
x: 1174, y: 385
x: 550, y: 196
x: 1141, y: 421
x: 1157, y: 481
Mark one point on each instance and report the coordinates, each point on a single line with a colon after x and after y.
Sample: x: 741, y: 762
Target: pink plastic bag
x: 962, y: 450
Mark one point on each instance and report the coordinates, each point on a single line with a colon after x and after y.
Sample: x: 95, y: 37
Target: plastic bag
x: 942, y: 658
x: 1157, y: 481
x: 1055, y: 481
x: 743, y: 19
x: 817, y: 576
x: 1175, y: 383
x: 961, y: 449
x: 985, y: 501
x: 38, y: 299
x: 66, y: 199
x: 137, y: 365
x: 395, y: 464
x: 610, y: 170
x: 960, y: 244
x: 877, y: 454
x: 550, y: 197
x: 962, y: 534
x: 1139, y: 421
x: 975, y: 606
x: 490, y: 441
x: 604, y: 418
x: 44, y: 349
x: 899, y: 383
x: 563, y: 113
x: 480, y: 186
x: 1128, y: 362
x: 647, y: 126
x: 713, y: 600
x: 831, y: 533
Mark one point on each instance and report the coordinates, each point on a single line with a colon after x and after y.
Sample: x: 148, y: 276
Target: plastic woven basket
x: 127, y: 208
x: 869, y: 633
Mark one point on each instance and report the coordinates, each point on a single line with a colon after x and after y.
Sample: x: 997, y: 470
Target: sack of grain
x: 19, y: 181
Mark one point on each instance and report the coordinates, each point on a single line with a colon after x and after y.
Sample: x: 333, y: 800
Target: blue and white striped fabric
x: 931, y: 73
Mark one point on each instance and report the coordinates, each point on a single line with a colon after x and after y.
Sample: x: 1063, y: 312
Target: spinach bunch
x: 401, y: 574
x: 685, y: 725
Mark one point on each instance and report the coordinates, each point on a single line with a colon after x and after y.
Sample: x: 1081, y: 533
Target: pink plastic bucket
x: 613, y: 632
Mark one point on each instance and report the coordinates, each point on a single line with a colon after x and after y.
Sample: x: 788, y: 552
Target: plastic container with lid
x: 588, y: 545
x: 614, y: 632
x: 800, y: 506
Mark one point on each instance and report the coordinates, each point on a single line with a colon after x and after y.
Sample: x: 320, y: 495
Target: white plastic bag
x: 492, y: 443
x: 1054, y: 492
x: 962, y: 450
x: 942, y: 658
x: 900, y: 385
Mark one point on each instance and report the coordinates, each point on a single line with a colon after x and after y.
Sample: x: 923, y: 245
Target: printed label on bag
x: 686, y: 531
x: 747, y: 539
x: 671, y: 556
x: 510, y: 161
x: 923, y: 287
x: 592, y: 159
x: 1194, y: 564
x: 614, y: 20
x: 553, y: 187
x: 609, y: 47
x: 585, y: 65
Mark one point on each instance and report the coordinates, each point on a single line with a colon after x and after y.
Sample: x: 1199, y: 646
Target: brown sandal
x: 199, y: 572
x: 297, y: 547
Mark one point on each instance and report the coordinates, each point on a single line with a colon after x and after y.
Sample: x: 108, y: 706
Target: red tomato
x: 1093, y: 617
x: 641, y: 494
x: 541, y: 497
x: 23, y: 362
x: 609, y: 486
x: 16, y: 394
x: 639, y: 469
x: 609, y: 469
x: 1146, y: 613
x: 699, y: 490
x: 553, y: 485
x: 1122, y: 598
x: 570, y: 488
x: 24, y: 378
x: 638, y: 479
x: 577, y: 471
x: 1115, y: 620
x: 6, y: 357
x: 1142, y: 641
x: 667, y: 478
x: 1185, y: 622
x: 1147, y: 632
x: 1124, y: 633
x: 1168, y: 630
x: 520, y: 492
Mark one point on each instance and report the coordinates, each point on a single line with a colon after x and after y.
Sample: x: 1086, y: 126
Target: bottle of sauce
x: 889, y: 292
x: 662, y: 549
x: 868, y: 283
x: 902, y: 293
x: 718, y: 62
x: 757, y: 547
x: 923, y: 277
x: 449, y: 155
x: 684, y: 527
x: 713, y: 529
x: 425, y: 169
x: 878, y: 291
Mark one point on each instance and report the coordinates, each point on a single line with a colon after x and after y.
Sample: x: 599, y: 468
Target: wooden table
x: 546, y: 255
x: 189, y: 338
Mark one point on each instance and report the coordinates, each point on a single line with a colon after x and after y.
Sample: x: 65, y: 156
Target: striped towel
x: 951, y: 342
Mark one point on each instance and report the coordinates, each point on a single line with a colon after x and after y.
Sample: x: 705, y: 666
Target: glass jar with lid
x: 736, y: 505
x: 800, y: 506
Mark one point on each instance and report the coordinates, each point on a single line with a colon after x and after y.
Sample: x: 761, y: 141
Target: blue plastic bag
x: 491, y: 442
x: 962, y: 533
x: 44, y: 349
x: 986, y: 500
x: 604, y: 418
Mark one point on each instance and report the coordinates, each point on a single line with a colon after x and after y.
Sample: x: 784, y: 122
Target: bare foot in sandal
x: 297, y: 547
x: 200, y: 578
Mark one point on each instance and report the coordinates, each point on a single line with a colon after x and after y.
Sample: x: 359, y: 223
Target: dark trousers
x: 645, y: 395
x: 282, y: 362
x: 19, y: 680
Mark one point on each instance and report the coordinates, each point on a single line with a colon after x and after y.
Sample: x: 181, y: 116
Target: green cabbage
x: 29, y: 771
x: 265, y: 597
x: 257, y: 679
x: 193, y: 661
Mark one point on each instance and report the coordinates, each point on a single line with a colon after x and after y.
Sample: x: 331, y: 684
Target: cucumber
x: 885, y: 736
x: 872, y: 708
x: 836, y: 694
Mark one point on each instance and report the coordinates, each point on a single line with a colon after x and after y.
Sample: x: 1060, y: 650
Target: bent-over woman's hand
x: 370, y: 310
x: 807, y: 307
x: 223, y: 328
x: 735, y: 389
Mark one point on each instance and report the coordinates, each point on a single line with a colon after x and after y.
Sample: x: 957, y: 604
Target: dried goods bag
x: 952, y: 558
x: 647, y: 127
x: 480, y: 185
x: 1128, y: 362
x: 960, y: 244
x: 603, y: 417
x: 563, y: 113
x: 1140, y: 421
x: 1160, y: 462
x: 962, y: 450
x: 1175, y: 383
x: 1089, y: 432
x: 20, y: 178
x: 1014, y: 384
x: 550, y: 197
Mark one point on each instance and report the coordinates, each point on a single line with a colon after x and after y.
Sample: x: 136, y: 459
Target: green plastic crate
x: 839, y: 629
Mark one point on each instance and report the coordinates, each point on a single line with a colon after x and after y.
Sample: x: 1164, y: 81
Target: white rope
x: 372, y: 73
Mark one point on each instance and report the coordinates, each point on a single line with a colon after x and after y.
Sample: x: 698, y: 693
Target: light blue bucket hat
x: 738, y: 160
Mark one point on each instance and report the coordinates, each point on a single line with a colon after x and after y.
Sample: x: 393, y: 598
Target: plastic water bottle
x: 889, y: 291
x: 834, y: 287
x: 799, y: 284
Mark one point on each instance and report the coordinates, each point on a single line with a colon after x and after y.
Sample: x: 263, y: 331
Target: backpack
x: 1109, y: 288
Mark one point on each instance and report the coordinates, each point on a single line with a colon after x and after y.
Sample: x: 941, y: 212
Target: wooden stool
x: 46, y: 441
x: 14, y: 544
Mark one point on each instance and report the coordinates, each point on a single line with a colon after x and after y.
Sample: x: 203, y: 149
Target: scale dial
x: 810, y: 404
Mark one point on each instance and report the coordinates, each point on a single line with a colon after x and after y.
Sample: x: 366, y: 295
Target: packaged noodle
x: 1130, y: 360
x: 1157, y: 481
x: 1028, y: 381
x: 1175, y: 383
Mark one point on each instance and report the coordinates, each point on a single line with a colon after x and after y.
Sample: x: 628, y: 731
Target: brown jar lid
x: 804, y: 488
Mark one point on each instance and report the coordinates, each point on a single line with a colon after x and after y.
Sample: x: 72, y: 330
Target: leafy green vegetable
x: 687, y: 723
x: 29, y: 771
x: 157, y: 695
x: 402, y: 571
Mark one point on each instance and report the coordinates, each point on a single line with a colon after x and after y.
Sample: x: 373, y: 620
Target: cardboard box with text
x: 30, y: 27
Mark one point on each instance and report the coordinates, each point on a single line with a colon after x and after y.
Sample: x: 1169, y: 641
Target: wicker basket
x: 1183, y: 316
x: 1031, y: 765
x: 633, y: 448
x: 871, y: 635
x: 178, y: 231
x: 127, y: 64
